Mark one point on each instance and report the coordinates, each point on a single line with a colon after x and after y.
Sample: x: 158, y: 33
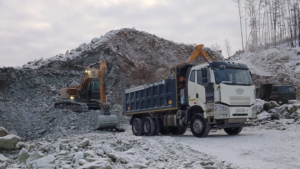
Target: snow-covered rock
x: 9, y: 142
x: 44, y: 162
x: 23, y: 155
x: 84, y: 143
x: 3, y: 158
x: 263, y: 116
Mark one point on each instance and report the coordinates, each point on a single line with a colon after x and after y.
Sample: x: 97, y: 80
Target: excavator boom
x: 199, y: 50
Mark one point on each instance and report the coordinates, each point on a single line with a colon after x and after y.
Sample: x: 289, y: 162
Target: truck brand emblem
x: 239, y: 91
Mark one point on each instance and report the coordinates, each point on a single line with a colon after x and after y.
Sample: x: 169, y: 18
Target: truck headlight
x: 72, y: 97
x: 220, y: 108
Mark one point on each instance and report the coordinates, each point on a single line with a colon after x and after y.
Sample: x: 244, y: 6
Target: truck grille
x: 239, y: 100
x: 240, y: 114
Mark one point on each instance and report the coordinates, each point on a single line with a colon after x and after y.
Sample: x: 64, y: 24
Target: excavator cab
x: 93, y: 90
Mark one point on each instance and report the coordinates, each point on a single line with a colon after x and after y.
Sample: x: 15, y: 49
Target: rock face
x: 3, y: 132
x: 9, y: 142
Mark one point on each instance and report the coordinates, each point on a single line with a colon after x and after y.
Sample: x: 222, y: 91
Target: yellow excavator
x: 90, y: 94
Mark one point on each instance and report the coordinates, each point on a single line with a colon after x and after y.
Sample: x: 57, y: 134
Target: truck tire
x: 137, y: 127
x: 157, y: 126
x: 149, y: 126
x: 199, y: 126
x: 183, y: 130
x: 178, y: 130
x: 233, y: 130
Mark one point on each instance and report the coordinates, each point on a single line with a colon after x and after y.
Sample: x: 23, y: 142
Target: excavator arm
x: 199, y: 50
x: 102, y: 82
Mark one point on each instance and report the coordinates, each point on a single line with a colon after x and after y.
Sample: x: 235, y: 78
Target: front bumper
x: 226, y: 112
x: 222, y: 126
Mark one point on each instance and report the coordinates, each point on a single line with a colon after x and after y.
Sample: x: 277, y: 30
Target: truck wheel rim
x: 146, y: 127
x: 197, y: 125
x: 135, y: 127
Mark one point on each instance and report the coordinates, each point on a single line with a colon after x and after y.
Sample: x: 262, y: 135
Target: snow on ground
x: 254, y: 148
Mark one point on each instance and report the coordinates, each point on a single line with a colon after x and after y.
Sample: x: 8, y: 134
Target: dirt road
x: 254, y: 148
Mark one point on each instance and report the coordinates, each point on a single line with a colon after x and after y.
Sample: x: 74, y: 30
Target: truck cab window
x: 199, y: 77
x: 192, y: 77
x: 202, y: 76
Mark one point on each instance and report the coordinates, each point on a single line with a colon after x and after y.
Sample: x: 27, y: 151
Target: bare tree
x: 228, y: 47
x: 215, y: 47
x: 240, y: 15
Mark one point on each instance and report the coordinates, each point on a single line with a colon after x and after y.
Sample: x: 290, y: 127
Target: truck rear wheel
x: 149, y: 126
x: 233, y: 130
x: 137, y: 127
x: 199, y: 126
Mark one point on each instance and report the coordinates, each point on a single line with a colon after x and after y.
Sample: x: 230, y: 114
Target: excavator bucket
x: 106, y: 121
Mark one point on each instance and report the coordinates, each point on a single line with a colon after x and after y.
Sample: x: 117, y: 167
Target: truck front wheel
x: 233, y: 130
x: 199, y: 126
x: 137, y: 127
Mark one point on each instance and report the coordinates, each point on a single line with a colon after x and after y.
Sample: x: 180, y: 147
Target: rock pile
x: 108, y: 150
x: 273, y: 116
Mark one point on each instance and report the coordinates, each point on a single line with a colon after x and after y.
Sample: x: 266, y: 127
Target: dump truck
x: 215, y: 94
x: 278, y: 93
x: 90, y: 94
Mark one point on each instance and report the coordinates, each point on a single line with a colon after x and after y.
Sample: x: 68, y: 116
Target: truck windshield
x: 232, y: 76
x: 286, y: 89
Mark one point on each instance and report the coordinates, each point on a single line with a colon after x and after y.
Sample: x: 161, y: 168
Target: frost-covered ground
x: 255, y: 148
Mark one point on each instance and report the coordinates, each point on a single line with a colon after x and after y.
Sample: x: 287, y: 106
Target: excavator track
x: 74, y: 106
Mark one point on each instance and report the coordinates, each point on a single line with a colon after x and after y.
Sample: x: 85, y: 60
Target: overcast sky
x: 31, y: 29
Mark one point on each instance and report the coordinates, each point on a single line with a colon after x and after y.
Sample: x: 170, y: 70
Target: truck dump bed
x: 163, y: 95
x: 151, y: 97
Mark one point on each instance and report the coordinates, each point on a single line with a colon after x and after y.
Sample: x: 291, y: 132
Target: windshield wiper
x: 226, y: 82
x: 241, y: 83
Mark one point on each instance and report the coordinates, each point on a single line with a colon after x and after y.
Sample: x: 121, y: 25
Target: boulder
x: 3, y: 132
x: 82, y: 162
x: 3, y: 165
x: 33, y: 156
x: 45, y: 162
x: 270, y: 105
x: 23, y: 155
x: 9, y: 142
x: 264, y: 116
x: 77, y: 157
x: 84, y: 143
x: 96, y: 165
x: 3, y: 159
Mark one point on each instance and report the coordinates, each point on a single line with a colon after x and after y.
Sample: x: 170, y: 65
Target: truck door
x: 202, y: 80
x: 191, y: 88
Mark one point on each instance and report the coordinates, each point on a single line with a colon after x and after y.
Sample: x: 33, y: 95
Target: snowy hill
x: 277, y: 65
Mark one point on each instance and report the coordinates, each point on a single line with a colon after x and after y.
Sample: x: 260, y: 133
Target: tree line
x: 266, y: 23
